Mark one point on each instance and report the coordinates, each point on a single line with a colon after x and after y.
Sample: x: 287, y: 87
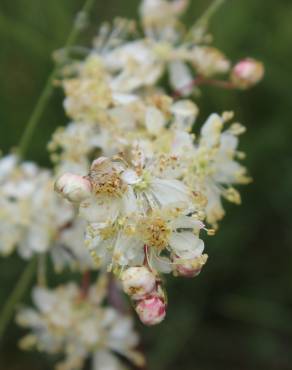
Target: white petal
x: 154, y: 120
x: 104, y: 360
x: 185, y: 222
x: 44, y: 299
x: 129, y: 202
x: 180, y: 77
x: 124, y: 99
x: 130, y: 177
x: 185, y: 112
x: 211, y: 130
x: 100, y: 209
x: 170, y: 191
x: 186, y: 245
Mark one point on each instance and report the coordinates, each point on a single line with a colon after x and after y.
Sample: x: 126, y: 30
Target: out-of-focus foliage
x: 237, y: 315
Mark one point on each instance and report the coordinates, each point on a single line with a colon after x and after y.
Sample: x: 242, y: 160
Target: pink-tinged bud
x: 247, y: 73
x: 138, y: 282
x: 73, y: 187
x: 152, y: 310
x: 189, y: 268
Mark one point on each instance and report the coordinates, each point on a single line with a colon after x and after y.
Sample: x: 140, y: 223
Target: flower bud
x: 247, y: 73
x: 138, y: 282
x: 152, y: 310
x: 189, y: 268
x: 73, y: 187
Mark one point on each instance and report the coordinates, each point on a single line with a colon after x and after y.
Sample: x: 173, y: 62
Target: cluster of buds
x: 145, y: 290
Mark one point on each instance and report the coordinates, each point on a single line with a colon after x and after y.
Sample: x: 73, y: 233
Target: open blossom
x: 87, y: 94
x: 36, y: 221
x: 118, y: 189
x: 69, y: 251
x: 76, y: 326
x: 165, y: 233
x: 31, y: 214
x: 161, y: 12
x: 122, y: 63
x: 216, y: 168
x: 128, y: 209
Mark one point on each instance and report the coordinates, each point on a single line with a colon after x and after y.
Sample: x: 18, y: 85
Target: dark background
x: 237, y: 315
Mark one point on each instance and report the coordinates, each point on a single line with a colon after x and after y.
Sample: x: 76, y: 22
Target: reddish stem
x: 85, y: 283
x: 145, y: 262
x: 200, y: 80
x: 115, y: 297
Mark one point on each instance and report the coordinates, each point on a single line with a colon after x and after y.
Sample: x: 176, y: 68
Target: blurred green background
x: 237, y: 315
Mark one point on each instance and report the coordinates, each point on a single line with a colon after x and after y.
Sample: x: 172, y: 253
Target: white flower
x: 118, y: 190
x: 133, y: 65
x: 216, y: 165
x: 69, y: 249
x: 209, y: 61
x: 31, y: 214
x: 68, y: 323
x: 185, y: 113
x: 164, y: 233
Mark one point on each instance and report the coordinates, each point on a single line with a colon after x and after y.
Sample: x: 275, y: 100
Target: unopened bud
x: 247, y: 73
x: 138, y: 282
x: 73, y: 187
x: 152, y: 310
x: 189, y: 268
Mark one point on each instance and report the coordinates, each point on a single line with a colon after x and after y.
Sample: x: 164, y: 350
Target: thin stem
x: 208, y: 13
x: 85, y: 283
x: 16, y: 295
x: 48, y: 89
x: 41, y: 269
x: 115, y: 297
x: 199, y: 81
x: 29, y: 272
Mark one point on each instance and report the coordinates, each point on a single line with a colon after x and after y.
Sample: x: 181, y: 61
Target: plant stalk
x: 48, y: 89
x: 17, y: 294
x: 29, y: 272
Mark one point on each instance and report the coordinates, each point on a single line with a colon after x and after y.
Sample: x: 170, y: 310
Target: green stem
x: 41, y: 269
x: 48, y: 89
x: 29, y: 272
x: 16, y: 295
x: 208, y: 14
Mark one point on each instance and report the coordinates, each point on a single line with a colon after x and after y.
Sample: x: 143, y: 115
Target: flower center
x: 156, y: 233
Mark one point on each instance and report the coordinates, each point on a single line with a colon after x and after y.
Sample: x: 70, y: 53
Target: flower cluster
x: 142, y: 180
x: 153, y: 185
x: 66, y: 322
x: 34, y: 220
